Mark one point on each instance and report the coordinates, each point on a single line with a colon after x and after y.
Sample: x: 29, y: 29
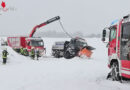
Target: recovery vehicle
x: 28, y: 42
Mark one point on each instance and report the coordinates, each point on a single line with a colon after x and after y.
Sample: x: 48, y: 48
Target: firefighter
x: 32, y: 53
x: 25, y: 52
x: 4, y: 55
x: 37, y: 53
x: 22, y: 51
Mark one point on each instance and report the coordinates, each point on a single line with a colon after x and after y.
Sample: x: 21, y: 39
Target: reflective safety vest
x: 4, y: 54
x: 25, y: 52
x: 21, y: 50
x: 32, y: 52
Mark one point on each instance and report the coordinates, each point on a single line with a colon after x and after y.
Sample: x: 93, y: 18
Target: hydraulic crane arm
x: 43, y: 24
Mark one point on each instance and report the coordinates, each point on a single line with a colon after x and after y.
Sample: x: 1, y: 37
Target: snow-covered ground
x: 22, y: 73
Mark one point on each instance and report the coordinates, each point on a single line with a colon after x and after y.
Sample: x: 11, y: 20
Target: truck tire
x: 66, y: 45
x: 67, y: 55
x: 115, y: 72
x: 56, y: 54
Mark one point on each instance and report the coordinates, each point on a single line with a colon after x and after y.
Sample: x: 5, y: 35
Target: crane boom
x: 43, y: 24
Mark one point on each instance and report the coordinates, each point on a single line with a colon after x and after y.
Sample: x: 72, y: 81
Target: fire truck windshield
x: 125, y: 41
x: 126, y: 31
x: 37, y: 43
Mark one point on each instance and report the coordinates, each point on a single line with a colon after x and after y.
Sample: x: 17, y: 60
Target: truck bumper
x: 125, y: 75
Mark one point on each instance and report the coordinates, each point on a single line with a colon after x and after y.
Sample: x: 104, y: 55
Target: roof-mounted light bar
x: 114, y: 22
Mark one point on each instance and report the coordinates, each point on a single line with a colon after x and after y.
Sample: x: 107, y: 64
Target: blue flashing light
x: 115, y: 21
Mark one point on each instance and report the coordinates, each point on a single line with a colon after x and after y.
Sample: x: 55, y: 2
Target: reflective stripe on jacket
x: 4, y: 54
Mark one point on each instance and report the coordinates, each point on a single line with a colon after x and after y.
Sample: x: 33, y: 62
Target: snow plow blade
x: 86, y: 51
x: 89, y: 48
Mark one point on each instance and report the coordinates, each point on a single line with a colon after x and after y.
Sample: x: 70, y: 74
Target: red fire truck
x: 17, y: 42
x: 29, y: 42
x: 118, y: 48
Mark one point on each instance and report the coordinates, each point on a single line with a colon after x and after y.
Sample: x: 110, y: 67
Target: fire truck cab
x: 118, y: 48
x: 37, y: 43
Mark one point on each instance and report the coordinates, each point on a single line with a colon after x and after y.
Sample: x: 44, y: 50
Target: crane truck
x: 118, y: 45
x: 28, y: 42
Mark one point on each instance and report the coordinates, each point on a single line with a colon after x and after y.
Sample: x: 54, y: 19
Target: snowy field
x: 22, y: 73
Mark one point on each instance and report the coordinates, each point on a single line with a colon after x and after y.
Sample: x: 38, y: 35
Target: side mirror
x: 104, y: 35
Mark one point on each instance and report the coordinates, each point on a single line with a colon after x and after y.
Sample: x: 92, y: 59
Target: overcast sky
x: 87, y: 16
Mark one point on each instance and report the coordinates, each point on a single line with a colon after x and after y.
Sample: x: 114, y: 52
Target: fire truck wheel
x: 115, y: 72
